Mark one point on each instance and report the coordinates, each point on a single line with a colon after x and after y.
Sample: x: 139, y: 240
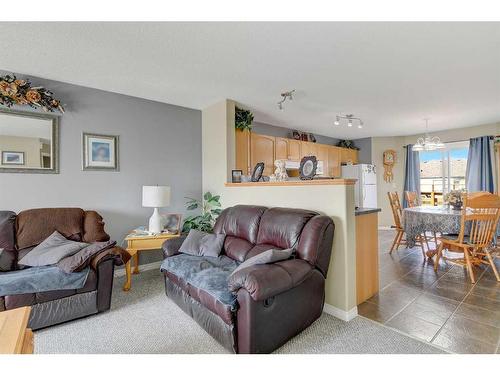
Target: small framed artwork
x: 308, y: 166
x: 100, y: 152
x: 236, y: 175
x: 257, y: 172
x: 172, y: 223
x: 12, y: 158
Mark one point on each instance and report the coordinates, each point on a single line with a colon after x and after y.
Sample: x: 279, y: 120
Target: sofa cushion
x: 237, y: 248
x: 51, y: 250
x: 202, y: 244
x: 28, y: 299
x: 34, y: 226
x: 240, y: 221
x: 282, y: 227
x: 204, y: 279
x: 82, y: 258
x: 7, y: 241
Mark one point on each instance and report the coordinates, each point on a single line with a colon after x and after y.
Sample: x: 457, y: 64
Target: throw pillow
x: 82, y: 258
x: 51, y: 250
x: 266, y: 257
x: 202, y: 244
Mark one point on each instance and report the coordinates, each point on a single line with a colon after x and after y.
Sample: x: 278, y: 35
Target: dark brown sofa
x: 20, y: 233
x: 274, y: 302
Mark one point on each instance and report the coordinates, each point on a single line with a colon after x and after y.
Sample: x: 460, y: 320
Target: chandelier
x: 350, y: 119
x: 428, y: 143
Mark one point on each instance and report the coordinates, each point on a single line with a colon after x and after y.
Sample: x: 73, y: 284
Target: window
x: 442, y: 171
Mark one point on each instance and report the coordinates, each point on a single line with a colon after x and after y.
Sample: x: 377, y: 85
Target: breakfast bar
x: 335, y: 198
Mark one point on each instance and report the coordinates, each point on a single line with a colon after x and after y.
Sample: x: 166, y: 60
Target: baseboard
x: 142, y: 267
x: 341, y: 314
x: 385, y: 228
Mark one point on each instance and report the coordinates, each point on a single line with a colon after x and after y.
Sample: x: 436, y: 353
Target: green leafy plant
x: 243, y: 119
x: 210, y: 210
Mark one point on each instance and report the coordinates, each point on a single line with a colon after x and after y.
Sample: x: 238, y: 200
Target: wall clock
x: 389, y: 161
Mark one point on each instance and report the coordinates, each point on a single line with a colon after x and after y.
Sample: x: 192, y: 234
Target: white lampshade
x: 155, y: 196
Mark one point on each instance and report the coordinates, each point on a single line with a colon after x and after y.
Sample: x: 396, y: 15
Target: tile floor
x: 441, y: 307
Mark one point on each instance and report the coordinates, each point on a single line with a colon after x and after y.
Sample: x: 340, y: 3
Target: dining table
x: 434, y: 219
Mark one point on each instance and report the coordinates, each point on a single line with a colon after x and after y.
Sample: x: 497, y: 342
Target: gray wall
x: 159, y: 144
x: 365, y: 150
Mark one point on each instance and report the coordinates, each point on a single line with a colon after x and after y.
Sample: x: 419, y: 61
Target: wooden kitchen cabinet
x: 281, y: 149
x: 334, y: 160
x: 348, y: 155
x: 242, y: 141
x: 262, y: 148
x: 294, y: 149
x: 308, y: 149
x: 367, y: 281
x: 322, y: 155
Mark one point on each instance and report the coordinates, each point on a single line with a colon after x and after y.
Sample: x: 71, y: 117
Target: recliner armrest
x: 119, y: 255
x: 267, y: 280
x: 171, y: 246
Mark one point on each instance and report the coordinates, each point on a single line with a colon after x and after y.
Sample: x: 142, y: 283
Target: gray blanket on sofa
x: 40, y: 279
x: 207, y: 273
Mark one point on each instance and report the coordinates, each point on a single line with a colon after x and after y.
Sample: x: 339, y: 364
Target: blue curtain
x: 479, y: 174
x: 412, y: 173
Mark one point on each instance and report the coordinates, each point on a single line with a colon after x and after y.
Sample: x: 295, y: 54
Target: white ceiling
x: 392, y: 75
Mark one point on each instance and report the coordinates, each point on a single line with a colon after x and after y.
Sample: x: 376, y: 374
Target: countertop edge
x: 337, y: 181
x: 366, y: 211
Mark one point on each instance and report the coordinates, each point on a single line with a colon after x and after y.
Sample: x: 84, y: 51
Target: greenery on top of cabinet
x: 243, y: 119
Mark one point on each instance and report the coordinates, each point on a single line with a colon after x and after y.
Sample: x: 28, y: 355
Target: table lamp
x: 156, y: 197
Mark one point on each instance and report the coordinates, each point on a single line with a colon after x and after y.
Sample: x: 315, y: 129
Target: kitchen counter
x: 333, y: 181
x: 365, y: 211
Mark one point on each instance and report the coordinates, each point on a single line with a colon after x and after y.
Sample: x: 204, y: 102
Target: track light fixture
x: 349, y: 119
x: 284, y: 96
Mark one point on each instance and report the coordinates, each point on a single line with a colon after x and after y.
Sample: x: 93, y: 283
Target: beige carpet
x: 144, y: 320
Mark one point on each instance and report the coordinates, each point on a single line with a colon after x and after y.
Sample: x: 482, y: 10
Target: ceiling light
x: 428, y: 143
x: 350, y: 120
x: 284, y: 96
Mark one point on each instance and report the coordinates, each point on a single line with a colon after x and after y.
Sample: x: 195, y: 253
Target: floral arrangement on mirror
x: 15, y: 91
x: 454, y: 199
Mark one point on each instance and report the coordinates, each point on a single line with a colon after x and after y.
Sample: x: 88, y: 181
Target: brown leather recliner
x: 274, y: 301
x: 20, y: 233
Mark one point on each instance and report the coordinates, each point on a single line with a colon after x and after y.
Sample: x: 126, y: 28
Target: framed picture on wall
x: 12, y: 158
x: 172, y: 223
x: 100, y: 152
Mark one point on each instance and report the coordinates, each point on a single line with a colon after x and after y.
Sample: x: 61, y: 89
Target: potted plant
x: 210, y: 210
x: 243, y: 119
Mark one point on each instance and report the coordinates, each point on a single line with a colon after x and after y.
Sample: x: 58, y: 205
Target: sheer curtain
x: 412, y: 173
x: 480, y: 170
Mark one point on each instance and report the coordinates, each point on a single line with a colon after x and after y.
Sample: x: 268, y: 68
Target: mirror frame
x: 54, y: 146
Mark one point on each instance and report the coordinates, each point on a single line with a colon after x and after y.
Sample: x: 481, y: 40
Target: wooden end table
x: 137, y: 243
x: 15, y: 337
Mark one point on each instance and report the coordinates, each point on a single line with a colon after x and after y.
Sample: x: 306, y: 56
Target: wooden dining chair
x: 397, y: 213
x: 478, y: 225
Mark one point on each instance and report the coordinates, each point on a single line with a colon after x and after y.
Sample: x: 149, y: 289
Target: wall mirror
x: 29, y: 142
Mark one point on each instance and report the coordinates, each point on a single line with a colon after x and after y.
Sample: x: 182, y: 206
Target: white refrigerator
x: 365, y: 189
